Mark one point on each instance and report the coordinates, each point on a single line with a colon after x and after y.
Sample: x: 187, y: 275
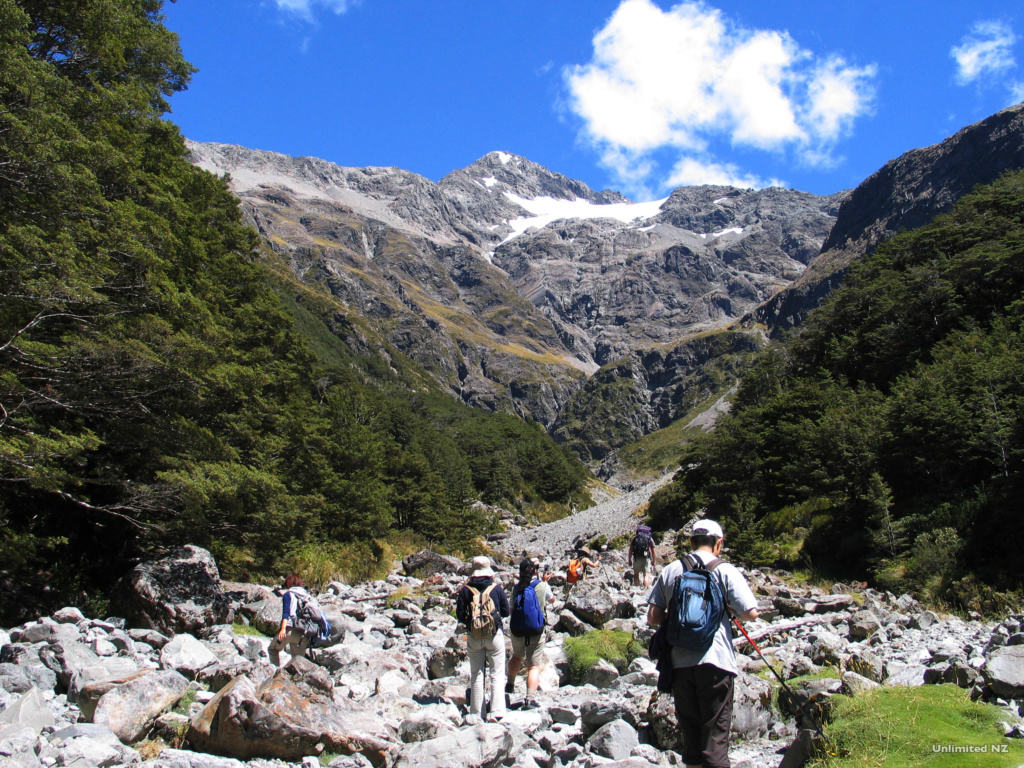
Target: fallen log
x: 774, y: 629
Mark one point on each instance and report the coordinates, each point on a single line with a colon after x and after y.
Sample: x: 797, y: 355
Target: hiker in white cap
x: 480, y: 606
x: 702, y: 680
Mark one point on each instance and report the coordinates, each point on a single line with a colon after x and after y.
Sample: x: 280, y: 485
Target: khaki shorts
x: 530, y: 649
x: 641, y: 565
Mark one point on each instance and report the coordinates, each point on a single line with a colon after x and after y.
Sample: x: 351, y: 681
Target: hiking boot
x: 530, y: 704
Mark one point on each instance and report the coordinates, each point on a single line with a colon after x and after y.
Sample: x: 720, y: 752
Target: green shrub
x: 617, y: 648
x: 910, y: 727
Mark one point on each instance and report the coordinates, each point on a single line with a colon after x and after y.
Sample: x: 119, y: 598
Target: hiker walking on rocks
x: 703, y: 659
x: 529, y: 599
x: 291, y: 636
x: 481, y: 605
x: 640, y: 556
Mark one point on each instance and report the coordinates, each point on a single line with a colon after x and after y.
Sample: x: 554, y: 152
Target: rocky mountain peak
x: 505, y: 173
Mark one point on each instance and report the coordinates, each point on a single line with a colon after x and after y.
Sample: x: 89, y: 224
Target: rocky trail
x: 612, y: 519
x: 184, y: 680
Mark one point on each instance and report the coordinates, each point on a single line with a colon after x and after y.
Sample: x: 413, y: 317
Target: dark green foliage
x: 889, y: 435
x: 159, y: 384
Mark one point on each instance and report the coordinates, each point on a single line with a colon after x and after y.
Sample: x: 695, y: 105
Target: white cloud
x: 690, y: 171
x: 304, y: 8
x: 1017, y: 92
x: 683, y: 78
x: 987, y: 49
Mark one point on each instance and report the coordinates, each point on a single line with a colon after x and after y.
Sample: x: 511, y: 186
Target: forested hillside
x: 886, y: 440
x: 159, y: 383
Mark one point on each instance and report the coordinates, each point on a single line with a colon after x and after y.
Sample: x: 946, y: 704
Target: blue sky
x: 634, y: 95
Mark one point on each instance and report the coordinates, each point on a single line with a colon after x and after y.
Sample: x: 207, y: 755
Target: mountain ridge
x: 510, y: 281
x: 513, y: 284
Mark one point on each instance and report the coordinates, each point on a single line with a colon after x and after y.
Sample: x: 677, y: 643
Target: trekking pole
x: 800, y: 709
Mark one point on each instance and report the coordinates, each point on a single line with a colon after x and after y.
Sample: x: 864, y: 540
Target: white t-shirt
x: 738, y: 597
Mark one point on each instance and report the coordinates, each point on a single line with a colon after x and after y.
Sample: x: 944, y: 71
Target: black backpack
x: 641, y: 546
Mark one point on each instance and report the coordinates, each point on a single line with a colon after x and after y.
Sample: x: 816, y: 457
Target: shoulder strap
x: 486, y: 593
x: 714, y: 564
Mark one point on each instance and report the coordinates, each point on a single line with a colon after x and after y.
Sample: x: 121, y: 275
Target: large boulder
x: 1004, y: 671
x: 752, y: 706
x: 128, y: 707
x: 482, y: 746
x: 187, y: 655
x: 76, y: 666
x: 285, y: 719
x: 180, y: 593
x: 26, y: 714
x: 86, y: 744
x: 591, y: 603
x: 427, y: 562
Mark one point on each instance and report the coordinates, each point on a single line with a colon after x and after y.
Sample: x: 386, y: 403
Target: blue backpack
x: 527, y: 616
x: 697, y: 606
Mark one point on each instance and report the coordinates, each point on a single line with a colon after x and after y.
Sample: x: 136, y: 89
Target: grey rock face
x: 506, y: 316
x: 905, y: 193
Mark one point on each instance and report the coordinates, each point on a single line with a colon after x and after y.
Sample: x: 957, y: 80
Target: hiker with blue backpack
x: 480, y: 606
x: 690, y: 604
x: 529, y: 598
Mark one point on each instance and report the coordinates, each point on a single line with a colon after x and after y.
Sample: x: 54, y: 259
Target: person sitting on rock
x: 290, y: 638
x: 481, y: 605
x: 529, y: 600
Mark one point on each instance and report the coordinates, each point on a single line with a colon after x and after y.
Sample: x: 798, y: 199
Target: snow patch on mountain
x: 723, y: 232
x: 545, y: 210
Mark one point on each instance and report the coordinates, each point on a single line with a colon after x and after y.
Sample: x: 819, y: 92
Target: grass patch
x: 352, y: 562
x: 616, y: 647
x: 184, y: 705
x: 246, y: 629
x: 900, y: 727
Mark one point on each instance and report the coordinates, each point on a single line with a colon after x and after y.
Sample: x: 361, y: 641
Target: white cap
x: 707, y: 528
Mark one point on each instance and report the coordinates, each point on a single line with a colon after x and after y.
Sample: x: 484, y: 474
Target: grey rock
x: 426, y: 563
x: 130, y: 707
x: 444, y: 662
x: 187, y: 655
x: 752, y: 705
x: 1004, y: 671
x: 602, y: 675
x: 182, y: 758
x: 614, y: 740
x: 428, y: 723
x: 480, y: 746
x: 180, y: 593
x: 26, y: 713
x: 69, y: 615
x: 854, y: 684
x: 284, y: 719
x: 591, y: 603
x: 87, y: 744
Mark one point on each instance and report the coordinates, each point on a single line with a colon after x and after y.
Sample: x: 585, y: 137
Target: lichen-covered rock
x: 178, y: 594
